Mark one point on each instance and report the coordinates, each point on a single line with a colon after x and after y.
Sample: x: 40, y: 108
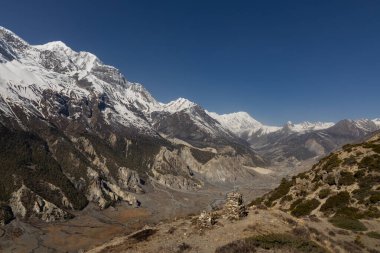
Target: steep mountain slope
x: 343, y: 187
x: 334, y: 207
x: 105, y: 137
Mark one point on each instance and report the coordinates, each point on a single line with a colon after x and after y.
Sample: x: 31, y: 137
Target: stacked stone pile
x: 206, y: 219
x: 234, y: 209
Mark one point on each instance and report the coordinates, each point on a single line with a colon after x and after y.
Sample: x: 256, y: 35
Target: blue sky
x: 278, y: 60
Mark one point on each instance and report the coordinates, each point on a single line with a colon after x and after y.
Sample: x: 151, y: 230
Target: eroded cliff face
x: 27, y: 204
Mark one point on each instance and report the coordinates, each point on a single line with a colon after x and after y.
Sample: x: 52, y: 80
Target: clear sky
x: 316, y: 60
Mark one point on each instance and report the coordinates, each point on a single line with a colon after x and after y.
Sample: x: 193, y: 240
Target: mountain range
x: 74, y: 130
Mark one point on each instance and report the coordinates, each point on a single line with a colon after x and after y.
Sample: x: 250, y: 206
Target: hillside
x: 344, y: 184
x: 334, y: 207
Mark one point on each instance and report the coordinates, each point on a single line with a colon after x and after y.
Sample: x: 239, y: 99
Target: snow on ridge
x: 377, y: 122
x: 83, y: 60
x: 308, y: 126
x: 178, y: 105
x: 242, y: 122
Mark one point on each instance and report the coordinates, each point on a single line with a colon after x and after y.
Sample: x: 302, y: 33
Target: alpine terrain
x: 81, y: 146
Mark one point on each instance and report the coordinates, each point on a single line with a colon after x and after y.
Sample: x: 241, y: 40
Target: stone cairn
x: 234, y: 209
x: 206, y: 219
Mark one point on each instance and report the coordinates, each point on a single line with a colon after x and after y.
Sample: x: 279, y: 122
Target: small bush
x: 271, y: 242
x: 375, y: 147
x: 324, y: 193
x: 350, y: 212
x: 359, y: 174
x: 280, y: 191
x: 375, y: 197
x: 286, y: 198
x: 347, y: 147
x: 332, y: 162
x: 372, y: 212
x: 346, y: 178
x: 349, y: 161
x: 330, y: 180
x: 347, y: 223
x: 335, y: 202
x: 295, y: 203
x: 371, y: 163
x: 305, y: 207
x: 373, y: 234
x: 202, y: 156
x: 257, y: 201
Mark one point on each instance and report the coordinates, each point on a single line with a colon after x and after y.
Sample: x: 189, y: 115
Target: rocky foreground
x: 261, y: 230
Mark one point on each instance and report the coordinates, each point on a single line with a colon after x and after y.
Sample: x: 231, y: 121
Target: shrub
x: 257, y: 201
x: 202, y: 156
x: 335, y: 202
x: 375, y: 147
x: 347, y: 147
x: 373, y: 234
x: 295, y: 203
x: 274, y: 242
x: 372, y: 212
x: 330, y: 180
x: 347, y: 223
x: 359, y: 174
x: 346, y: 178
x: 371, y: 163
x: 286, y: 198
x: 375, y: 197
x: 324, y: 193
x: 349, y: 161
x: 332, y: 162
x: 351, y: 212
x: 305, y: 207
x: 280, y: 191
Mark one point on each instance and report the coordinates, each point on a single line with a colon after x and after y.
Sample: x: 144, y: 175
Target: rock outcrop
x: 26, y: 204
x: 206, y: 219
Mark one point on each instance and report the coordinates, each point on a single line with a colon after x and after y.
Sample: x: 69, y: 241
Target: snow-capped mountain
x: 292, y: 143
x: 74, y: 130
x: 307, y: 126
x: 241, y: 123
x: 377, y: 121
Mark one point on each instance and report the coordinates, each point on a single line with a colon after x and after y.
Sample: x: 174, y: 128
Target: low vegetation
x: 279, y: 192
x: 27, y: 160
x: 336, y: 202
x: 331, y: 162
x: 347, y: 223
x: 202, y: 156
x: 273, y: 242
x: 324, y: 193
x: 305, y: 207
x: 374, y: 235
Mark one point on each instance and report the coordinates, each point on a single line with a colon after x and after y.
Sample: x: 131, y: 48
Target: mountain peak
x: 54, y: 44
x: 179, y: 104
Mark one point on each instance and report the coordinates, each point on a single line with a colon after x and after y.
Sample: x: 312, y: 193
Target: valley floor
x: 92, y: 227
